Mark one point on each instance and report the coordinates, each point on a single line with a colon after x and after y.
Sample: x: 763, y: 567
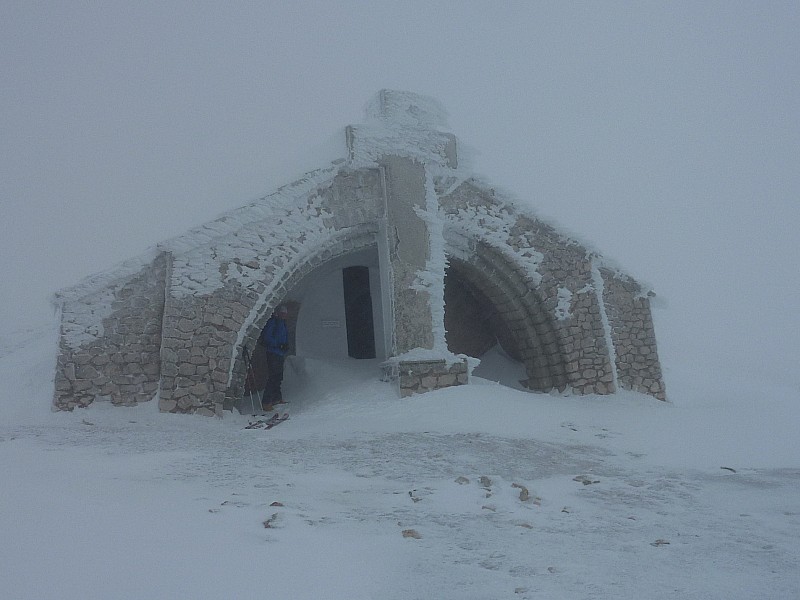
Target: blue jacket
x: 274, y: 335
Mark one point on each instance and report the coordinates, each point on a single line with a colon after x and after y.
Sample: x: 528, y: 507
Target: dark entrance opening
x: 358, y: 312
x: 471, y: 322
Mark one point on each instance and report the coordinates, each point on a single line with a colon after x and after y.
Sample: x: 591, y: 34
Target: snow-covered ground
x: 627, y: 497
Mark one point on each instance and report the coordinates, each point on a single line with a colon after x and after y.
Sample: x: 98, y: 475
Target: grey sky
x: 666, y: 134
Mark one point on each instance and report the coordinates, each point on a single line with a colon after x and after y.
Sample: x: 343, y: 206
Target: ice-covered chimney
x: 403, y: 124
x: 407, y: 109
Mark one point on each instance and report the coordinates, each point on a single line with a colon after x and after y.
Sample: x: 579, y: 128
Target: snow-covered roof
x: 226, y: 224
x: 397, y: 123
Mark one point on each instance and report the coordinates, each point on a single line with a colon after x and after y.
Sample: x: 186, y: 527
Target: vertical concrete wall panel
x: 409, y: 251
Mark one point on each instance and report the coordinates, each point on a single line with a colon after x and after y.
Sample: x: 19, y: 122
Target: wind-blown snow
x: 377, y: 497
x: 564, y: 305
x: 402, y: 124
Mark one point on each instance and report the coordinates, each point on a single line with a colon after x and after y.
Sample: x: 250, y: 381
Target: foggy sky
x: 665, y: 134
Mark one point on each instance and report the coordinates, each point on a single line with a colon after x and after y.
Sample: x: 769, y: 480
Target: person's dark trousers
x: 272, y: 391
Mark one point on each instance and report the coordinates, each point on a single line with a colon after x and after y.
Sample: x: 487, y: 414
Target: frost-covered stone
x: 459, y: 268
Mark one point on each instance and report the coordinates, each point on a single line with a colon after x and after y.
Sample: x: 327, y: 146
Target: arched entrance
x: 472, y: 323
x: 340, y: 308
x: 335, y: 313
x: 490, y: 293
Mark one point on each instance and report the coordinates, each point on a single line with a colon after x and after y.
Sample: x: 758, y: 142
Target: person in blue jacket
x: 275, y: 337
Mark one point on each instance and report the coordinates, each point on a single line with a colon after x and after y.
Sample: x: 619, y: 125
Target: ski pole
x: 250, y: 378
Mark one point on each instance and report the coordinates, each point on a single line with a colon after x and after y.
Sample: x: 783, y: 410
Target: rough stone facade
x: 119, y: 358
x: 532, y: 268
x: 634, y: 339
x: 174, y: 323
x: 418, y: 377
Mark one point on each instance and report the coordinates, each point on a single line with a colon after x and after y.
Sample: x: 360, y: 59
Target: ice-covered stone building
x: 393, y: 253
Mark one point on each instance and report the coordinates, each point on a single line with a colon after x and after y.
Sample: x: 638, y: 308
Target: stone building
x: 392, y: 252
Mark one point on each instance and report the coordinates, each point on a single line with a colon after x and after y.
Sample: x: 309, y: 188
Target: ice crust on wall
x: 275, y: 221
x: 91, y: 300
x: 562, y: 309
x: 493, y: 225
x: 84, y: 323
x: 431, y: 279
x: 402, y: 124
x: 599, y: 287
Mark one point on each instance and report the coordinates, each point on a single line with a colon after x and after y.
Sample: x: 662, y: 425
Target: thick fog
x: 666, y: 135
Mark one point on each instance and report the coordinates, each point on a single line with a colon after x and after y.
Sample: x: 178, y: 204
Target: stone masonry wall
x: 198, y: 333
x: 638, y: 366
x: 540, y: 282
x: 204, y: 333
x: 117, y: 361
x: 417, y: 377
x: 568, y: 300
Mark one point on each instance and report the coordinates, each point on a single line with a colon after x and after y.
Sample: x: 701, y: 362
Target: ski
x: 263, y: 423
x: 281, y: 419
x: 268, y: 423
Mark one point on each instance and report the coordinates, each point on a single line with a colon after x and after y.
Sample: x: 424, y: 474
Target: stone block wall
x: 420, y: 376
x: 195, y: 356
x: 582, y: 336
x: 631, y: 322
x: 569, y: 302
x: 540, y: 283
x: 110, y: 341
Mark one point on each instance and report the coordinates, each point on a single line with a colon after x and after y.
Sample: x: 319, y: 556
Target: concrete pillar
x: 412, y: 248
x: 408, y: 250
x: 407, y: 138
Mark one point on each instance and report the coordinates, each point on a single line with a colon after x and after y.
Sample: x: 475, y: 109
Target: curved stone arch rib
x: 558, y: 272
x: 345, y: 242
x: 510, y: 287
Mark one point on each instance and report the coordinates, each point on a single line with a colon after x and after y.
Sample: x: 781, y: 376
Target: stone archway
x: 516, y: 315
x: 545, y: 285
x: 356, y: 240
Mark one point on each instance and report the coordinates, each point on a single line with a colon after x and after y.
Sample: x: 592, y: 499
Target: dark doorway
x: 358, y: 312
x: 471, y: 322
